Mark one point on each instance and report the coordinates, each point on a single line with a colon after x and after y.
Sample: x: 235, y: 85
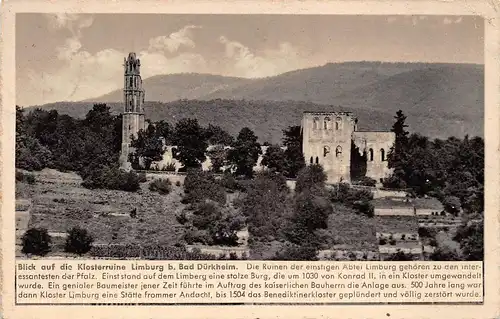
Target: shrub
x: 218, y: 226
x: 178, y: 184
x: 382, y: 241
x: 400, y: 256
x: 426, y: 232
x: 346, y: 195
x: 444, y: 254
x: 36, y: 241
x: 392, y: 241
x: 296, y: 252
x: 200, y: 186
x: 110, y: 177
x: 162, y: 186
x: 25, y: 177
x: 364, y: 207
x: 79, y: 241
x: 229, y: 182
x: 452, y: 204
x: 181, y: 218
x: 193, y: 236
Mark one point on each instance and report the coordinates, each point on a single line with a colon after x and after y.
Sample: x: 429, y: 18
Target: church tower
x: 133, y: 108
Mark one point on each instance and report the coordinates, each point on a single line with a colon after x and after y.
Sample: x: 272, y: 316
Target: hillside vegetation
x: 441, y: 100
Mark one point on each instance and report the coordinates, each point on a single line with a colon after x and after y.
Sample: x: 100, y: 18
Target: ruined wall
x: 327, y: 141
x: 131, y: 125
x: 377, y: 146
x: 168, y: 158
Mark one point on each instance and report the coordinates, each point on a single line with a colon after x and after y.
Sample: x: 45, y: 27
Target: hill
x: 165, y: 88
x: 441, y: 100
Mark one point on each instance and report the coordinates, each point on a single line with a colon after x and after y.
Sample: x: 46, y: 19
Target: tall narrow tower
x: 133, y: 108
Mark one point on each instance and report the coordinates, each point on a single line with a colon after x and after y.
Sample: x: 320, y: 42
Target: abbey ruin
x: 328, y: 137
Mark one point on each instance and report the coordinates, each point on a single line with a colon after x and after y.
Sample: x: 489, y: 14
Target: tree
x: 397, y: 157
x: 310, y: 213
x: 274, y: 159
x: 471, y: 238
x: 265, y: 205
x: 311, y: 177
x: 200, y: 186
x: 452, y: 205
x: 79, y: 241
x: 245, y: 152
x: 399, y: 128
x: 36, y: 241
x: 148, y: 147
x: 292, y: 140
x: 191, y: 143
x: 30, y: 153
x: 444, y: 254
x: 218, y: 156
x: 215, y: 135
x: 214, y: 224
x: 165, y: 131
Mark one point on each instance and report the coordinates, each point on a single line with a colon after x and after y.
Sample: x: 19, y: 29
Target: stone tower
x: 327, y: 140
x: 133, y: 108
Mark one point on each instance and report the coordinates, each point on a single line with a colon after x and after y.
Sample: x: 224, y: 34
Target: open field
x: 397, y: 224
x: 351, y: 230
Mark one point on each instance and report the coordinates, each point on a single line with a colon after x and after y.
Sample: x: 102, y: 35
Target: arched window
x: 371, y: 154
x: 382, y: 154
x: 315, y: 123
x: 338, y: 123
x: 131, y: 82
x: 338, y: 151
x: 317, y: 160
x: 326, y: 151
x: 311, y: 160
x: 326, y: 123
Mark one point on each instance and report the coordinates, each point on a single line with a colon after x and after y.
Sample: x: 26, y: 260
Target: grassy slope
x: 77, y: 206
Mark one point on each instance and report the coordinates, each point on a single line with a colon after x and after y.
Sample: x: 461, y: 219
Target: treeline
x: 238, y: 155
x: 451, y: 170
x: 91, y: 147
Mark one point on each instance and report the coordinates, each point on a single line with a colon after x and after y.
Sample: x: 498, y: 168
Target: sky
x: 72, y: 57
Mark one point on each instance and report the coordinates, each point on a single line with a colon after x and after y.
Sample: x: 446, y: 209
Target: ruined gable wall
x: 373, y: 143
x: 327, y: 141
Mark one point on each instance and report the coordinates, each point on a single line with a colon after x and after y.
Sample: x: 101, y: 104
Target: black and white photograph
x: 249, y: 137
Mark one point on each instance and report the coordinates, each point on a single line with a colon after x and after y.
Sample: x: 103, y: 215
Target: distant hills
x: 440, y: 100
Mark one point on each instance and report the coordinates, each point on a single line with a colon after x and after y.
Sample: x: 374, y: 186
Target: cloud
x: 81, y: 74
x: 75, y: 23
x: 84, y: 75
x: 243, y: 62
x: 174, y: 41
